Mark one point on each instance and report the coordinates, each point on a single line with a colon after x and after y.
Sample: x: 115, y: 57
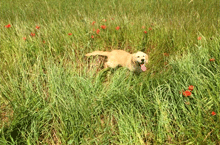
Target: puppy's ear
x: 133, y: 57
x: 146, y: 58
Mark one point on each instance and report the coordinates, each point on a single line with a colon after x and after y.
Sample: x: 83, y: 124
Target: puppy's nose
x: 142, y: 59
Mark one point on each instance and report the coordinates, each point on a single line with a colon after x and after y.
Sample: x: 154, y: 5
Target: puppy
x: 134, y: 62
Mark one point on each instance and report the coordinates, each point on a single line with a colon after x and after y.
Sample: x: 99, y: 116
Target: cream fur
x: 123, y: 58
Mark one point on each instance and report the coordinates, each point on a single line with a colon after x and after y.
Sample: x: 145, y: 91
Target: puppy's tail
x: 104, y: 53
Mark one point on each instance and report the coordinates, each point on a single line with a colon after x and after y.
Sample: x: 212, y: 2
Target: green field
x: 50, y: 93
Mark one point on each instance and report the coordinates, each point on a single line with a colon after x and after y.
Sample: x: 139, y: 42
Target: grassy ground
x: 51, y: 94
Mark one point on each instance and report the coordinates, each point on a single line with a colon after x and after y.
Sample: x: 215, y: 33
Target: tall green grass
x: 50, y: 93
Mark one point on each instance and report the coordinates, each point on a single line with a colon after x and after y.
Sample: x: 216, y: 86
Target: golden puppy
x: 134, y: 62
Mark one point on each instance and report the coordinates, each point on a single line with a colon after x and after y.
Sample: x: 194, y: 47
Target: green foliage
x: 50, y: 93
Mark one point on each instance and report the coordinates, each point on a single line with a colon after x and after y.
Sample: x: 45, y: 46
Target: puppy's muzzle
x: 142, y: 61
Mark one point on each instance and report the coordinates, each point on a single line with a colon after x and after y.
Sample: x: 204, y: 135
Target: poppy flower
x: 37, y: 27
x: 213, y: 113
x: 199, y: 38
x: 187, y: 93
x: 103, y: 27
x: 24, y: 38
x: 145, y: 32
x: 97, y: 31
x: 92, y: 36
x: 150, y: 28
x: 117, y: 28
x: 8, y: 26
x: 70, y: 34
x: 32, y: 34
x: 191, y: 87
x: 93, y: 23
x: 211, y: 59
x: 143, y: 27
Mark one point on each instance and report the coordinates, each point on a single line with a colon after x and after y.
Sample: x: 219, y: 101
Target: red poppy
x: 32, y: 34
x: 8, y: 26
x: 199, y: 38
x: 103, y: 27
x: 145, y: 32
x: 70, y: 34
x: 37, y: 27
x: 191, y: 87
x: 97, y: 31
x: 93, y: 23
x: 187, y: 93
x: 117, y: 28
x: 150, y: 28
x: 24, y: 38
x: 143, y: 27
x: 211, y: 59
x: 92, y: 36
x: 213, y: 113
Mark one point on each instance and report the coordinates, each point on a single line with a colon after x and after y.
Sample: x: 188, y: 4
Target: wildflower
x: 44, y: 41
x: 191, y: 87
x: 93, y: 23
x: 213, y: 113
x: 97, y: 31
x: 70, y: 34
x: 211, y: 59
x: 145, y: 32
x: 150, y: 28
x: 117, y: 28
x: 8, y: 26
x: 32, y: 34
x: 143, y: 27
x: 187, y: 93
x: 92, y: 36
x: 103, y: 27
x: 37, y: 27
x: 24, y: 38
x: 199, y: 38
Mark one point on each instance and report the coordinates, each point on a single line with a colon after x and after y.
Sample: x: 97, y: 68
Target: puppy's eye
x: 138, y: 56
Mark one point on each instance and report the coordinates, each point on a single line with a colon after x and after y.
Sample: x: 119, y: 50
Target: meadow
x: 50, y: 93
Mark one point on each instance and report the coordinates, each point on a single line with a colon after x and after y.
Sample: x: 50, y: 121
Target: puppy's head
x: 140, y: 58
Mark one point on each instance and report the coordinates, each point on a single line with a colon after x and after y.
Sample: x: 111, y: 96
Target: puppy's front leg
x: 105, y: 65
